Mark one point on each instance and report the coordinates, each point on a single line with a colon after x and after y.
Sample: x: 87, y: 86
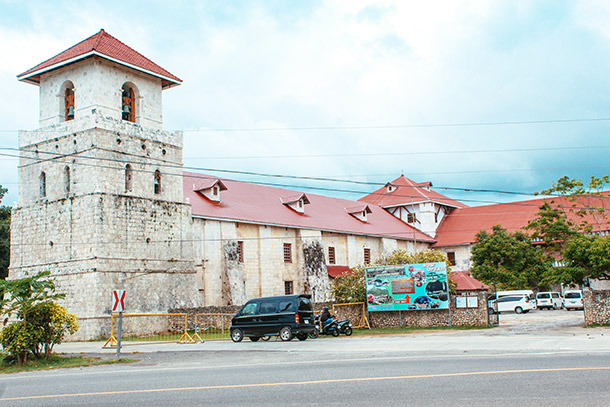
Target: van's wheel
x: 519, y: 310
x: 254, y: 338
x: 266, y: 337
x: 237, y: 335
x: 285, y: 334
x: 301, y: 336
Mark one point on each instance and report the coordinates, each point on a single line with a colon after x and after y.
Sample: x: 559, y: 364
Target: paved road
x: 530, y: 360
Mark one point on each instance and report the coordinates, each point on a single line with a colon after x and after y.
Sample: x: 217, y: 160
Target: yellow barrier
x: 211, y: 326
x: 147, y: 328
x: 364, y: 322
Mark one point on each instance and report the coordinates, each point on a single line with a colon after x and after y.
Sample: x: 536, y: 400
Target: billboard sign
x: 407, y: 287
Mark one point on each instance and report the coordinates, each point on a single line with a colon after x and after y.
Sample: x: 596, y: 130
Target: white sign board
x: 460, y: 302
x: 118, y: 300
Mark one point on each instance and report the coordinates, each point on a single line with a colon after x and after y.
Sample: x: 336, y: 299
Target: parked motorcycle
x: 329, y: 328
x: 345, y: 327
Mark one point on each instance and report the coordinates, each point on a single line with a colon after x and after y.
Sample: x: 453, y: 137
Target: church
x: 104, y: 204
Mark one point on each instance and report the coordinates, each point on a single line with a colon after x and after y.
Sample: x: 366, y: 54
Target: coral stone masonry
x: 101, y: 200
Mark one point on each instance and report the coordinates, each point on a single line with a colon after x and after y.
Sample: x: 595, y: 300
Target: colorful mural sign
x: 407, y: 287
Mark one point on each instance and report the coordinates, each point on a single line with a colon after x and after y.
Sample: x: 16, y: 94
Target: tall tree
x: 508, y: 260
x: 5, y: 235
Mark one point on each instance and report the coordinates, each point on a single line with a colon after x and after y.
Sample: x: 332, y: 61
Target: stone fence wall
x: 384, y: 319
x: 597, y: 306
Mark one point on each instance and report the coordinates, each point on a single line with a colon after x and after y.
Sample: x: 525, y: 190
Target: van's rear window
x: 304, y: 304
x: 572, y: 295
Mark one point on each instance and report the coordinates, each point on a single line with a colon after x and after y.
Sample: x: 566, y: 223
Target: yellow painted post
x: 112, y: 340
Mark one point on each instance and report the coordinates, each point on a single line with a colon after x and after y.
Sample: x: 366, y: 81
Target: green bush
x: 18, y: 339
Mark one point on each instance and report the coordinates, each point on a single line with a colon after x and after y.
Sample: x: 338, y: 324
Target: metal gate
x: 493, y: 316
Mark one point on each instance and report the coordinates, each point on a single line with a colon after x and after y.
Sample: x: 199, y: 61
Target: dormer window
x: 296, y: 202
x: 211, y: 189
x: 390, y: 188
x: 69, y: 103
x: 359, y: 212
x: 128, y: 108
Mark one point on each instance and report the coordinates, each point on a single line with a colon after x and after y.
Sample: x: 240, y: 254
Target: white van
x: 519, y: 303
x: 548, y: 300
x: 529, y: 293
x: 572, y: 299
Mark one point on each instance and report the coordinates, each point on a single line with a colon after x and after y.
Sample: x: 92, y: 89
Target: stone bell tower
x: 100, y: 186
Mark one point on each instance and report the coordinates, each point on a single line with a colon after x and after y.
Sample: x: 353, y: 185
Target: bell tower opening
x: 128, y: 105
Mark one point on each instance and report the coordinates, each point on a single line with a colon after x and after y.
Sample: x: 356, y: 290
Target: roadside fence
x: 180, y: 328
x: 351, y: 310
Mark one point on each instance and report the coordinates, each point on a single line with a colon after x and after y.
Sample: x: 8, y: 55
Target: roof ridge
x: 100, y: 34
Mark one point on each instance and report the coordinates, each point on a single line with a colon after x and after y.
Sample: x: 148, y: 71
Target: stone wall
x: 597, y: 306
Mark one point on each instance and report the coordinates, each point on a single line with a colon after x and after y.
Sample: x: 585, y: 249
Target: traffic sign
x: 118, y: 297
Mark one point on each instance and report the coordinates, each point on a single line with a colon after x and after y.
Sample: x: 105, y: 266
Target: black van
x: 285, y: 316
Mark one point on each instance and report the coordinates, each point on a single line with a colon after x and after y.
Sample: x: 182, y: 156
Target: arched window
x: 157, y: 182
x: 128, y: 178
x: 67, y: 179
x: 69, y: 103
x: 128, y: 105
x: 43, y: 184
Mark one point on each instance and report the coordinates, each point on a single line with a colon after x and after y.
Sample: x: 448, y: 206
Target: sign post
x: 118, y: 297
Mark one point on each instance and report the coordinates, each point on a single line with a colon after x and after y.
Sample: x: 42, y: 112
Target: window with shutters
x: 288, y: 287
x: 287, y: 253
x: 451, y: 258
x: 367, y: 256
x: 331, y: 255
x: 240, y: 251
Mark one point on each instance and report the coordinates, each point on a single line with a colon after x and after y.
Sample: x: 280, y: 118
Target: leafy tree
x: 41, y: 323
x: 586, y: 203
x: 351, y: 287
x: 566, y: 224
x: 509, y: 260
x: 5, y: 223
x: 586, y: 257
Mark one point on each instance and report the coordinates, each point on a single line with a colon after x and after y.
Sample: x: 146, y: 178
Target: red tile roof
x: 408, y: 192
x: 462, y: 224
x: 465, y: 282
x: 252, y: 203
x: 106, y: 46
x: 336, y: 271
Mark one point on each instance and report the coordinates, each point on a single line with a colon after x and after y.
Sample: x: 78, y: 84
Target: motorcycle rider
x: 325, y: 317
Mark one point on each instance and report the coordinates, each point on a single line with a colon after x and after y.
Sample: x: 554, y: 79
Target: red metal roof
x: 252, y: 203
x: 106, y: 46
x: 336, y: 271
x: 465, y: 282
x: 408, y: 192
x: 462, y: 224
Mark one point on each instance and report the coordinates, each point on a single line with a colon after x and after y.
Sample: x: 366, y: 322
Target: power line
x: 386, y: 126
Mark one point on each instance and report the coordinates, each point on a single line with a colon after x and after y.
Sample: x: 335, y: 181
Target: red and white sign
x: 118, y: 300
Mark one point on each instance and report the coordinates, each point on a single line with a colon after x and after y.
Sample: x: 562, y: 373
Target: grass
x: 58, y: 362
x: 414, y: 329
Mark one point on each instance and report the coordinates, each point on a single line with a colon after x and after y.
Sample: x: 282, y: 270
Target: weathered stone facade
x: 100, y: 199
x: 597, y: 306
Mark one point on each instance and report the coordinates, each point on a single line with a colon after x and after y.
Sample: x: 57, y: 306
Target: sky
x: 490, y: 101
